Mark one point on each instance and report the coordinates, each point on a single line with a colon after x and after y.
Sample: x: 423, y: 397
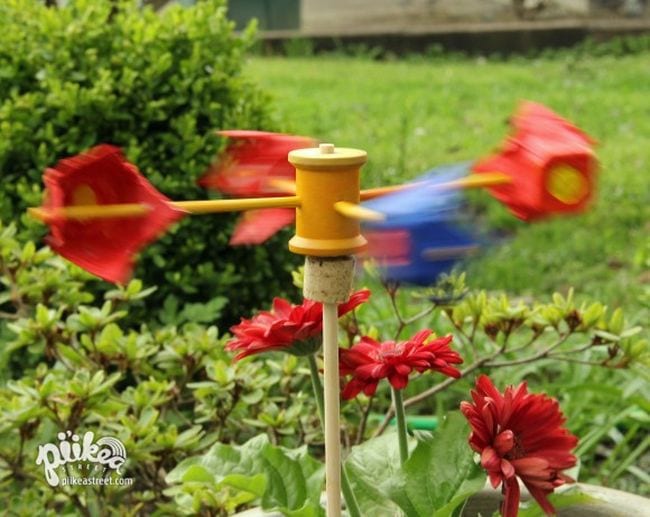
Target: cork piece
x: 328, y: 279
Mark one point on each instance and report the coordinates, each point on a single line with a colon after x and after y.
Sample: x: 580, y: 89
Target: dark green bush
x: 157, y: 85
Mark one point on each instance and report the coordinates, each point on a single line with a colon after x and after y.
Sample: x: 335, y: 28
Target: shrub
x: 157, y: 85
x: 69, y: 362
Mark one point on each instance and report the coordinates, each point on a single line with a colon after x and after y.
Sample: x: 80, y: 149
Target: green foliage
x: 75, y: 355
x: 70, y: 361
x: 158, y: 85
x: 556, y: 346
x: 372, y: 468
x: 618, y: 46
x: 439, y: 475
x: 289, y: 481
x: 179, y: 405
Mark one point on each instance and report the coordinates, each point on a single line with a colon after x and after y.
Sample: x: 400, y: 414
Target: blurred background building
x: 415, y: 25
x: 323, y: 16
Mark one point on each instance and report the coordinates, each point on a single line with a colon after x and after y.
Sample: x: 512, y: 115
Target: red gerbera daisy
x: 369, y: 361
x: 285, y: 327
x: 519, y: 434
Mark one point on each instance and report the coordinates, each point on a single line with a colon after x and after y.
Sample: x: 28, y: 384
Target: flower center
x: 517, y: 450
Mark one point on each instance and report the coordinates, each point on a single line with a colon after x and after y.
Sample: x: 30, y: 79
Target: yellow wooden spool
x: 326, y: 175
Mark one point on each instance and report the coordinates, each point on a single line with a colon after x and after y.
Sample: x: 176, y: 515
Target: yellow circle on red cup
x: 567, y: 184
x: 84, y: 195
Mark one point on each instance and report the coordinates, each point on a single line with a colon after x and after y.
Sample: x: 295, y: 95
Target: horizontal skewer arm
x: 483, y: 180
x: 208, y: 206
x: 81, y: 212
x: 211, y: 206
x: 361, y: 213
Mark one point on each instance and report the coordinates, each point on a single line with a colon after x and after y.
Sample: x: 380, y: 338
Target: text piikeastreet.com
x: 92, y: 481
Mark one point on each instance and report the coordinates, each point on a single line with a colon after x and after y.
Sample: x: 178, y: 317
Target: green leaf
x: 100, y: 385
x: 254, y: 397
x: 593, y: 314
x: 607, y: 336
x: 222, y: 459
x: 147, y: 418
x: 188, y: 437
x: 440, y: 473
x: 134, y: 287
x: 197, y: 473
x: 617, y: 322
x: 43, y: 315
x: 295, y: 481
x: 633, y: 331
x: 373, y: 468
x: 28, y: 252
x: 70, y: 354
x: 203, y: 312
x: 255, y: 484
x: 438, y: 476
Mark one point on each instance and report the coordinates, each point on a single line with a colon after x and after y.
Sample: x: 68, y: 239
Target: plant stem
x: 317, y: 386
x: 402, y: 437
x: 364, y: 421
x: 525, y: 360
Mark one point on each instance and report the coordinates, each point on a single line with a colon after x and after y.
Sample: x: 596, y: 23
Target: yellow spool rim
x: 335, y: 157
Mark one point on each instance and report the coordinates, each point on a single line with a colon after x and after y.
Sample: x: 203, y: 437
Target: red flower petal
x: 355, y: 300
x: 541, y: 496
x: 398, y: 381
x: 507, y: 469
x: 504, y: 442
x: 352, y: 389
x: 421, y: 336
x: 510, y: 505
x: 490, y: 460
x: 532, y: 467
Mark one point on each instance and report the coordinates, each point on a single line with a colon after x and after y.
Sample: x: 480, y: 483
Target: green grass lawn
x: 414, y: 114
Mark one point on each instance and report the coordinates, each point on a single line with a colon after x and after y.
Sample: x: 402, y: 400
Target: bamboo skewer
x: 329, y: 281
x: 332, y: 410
x: 483, y: 180
x: 89, y: 211
x: 208, y: 206
x: 355, y: 211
